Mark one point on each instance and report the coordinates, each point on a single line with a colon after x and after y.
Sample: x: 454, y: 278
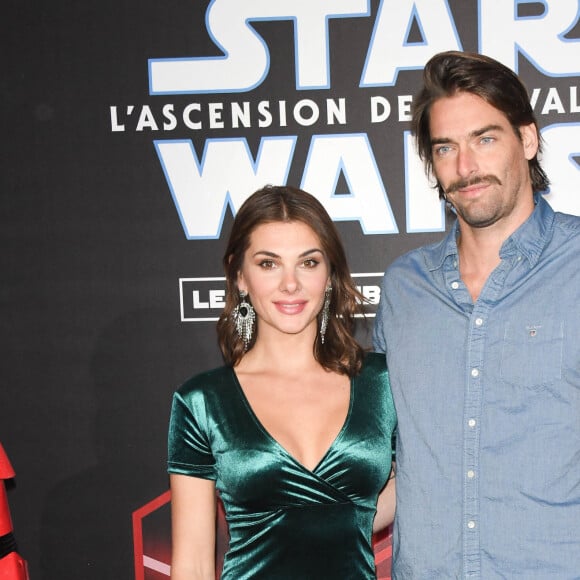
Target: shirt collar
x: 528, y: 240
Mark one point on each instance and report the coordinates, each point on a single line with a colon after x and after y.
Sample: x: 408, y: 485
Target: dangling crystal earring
x: 244, y: 318
x: 325, y: 314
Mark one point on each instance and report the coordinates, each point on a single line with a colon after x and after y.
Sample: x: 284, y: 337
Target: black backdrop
x: 93, y: 249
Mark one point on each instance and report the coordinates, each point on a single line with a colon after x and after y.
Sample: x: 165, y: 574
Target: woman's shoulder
x: 374, y: 362
x: 212, y: 380
x: 374, y: 386
x: 374, y: 371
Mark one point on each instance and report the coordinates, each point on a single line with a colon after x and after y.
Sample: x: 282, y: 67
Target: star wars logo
x: 350, y: 170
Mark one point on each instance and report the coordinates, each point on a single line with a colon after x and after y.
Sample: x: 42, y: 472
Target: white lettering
x: 215, y: 115
x: 371, y: 293
x: 561, y: 161
x: 241, y: 114
x: 197, y: 303
x: 247, y: 59
x: 115, y: 125
x: 216, y: 298
x: 405, y: 35
x: 504, y: 35
x: 366, y: 200
x: 405, y: 107
x: 335, y: 111
x: 146, y: 120
x: 391, y: 49
x: 202, y: 190
x: 380, y: 109
x: 282, y: 109
x: 574, y: 107
x: 310, y: 105
x: 219, y: 115
x: 187, y: 116
x: 553, y: 103
x: 535, y: 96
x: 265, y: 119
x: 170, y: 119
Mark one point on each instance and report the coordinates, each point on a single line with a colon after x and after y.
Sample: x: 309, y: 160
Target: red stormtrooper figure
x: 12, y: 566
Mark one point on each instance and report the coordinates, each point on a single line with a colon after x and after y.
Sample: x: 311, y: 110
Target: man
x: 482, y: 337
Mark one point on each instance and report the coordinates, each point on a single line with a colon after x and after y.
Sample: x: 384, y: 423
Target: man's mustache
x: 463, y: 183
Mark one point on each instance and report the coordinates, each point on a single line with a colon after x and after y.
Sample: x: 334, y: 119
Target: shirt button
x: 471, y: 524
x: 472, y: 423
x: 474, y: 373
x: 471, y: 474
x: 454, y: 285
x: 478, y: 321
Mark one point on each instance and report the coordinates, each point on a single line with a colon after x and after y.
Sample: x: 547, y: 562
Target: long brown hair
x: 340, y: 352
x: 452, y: 72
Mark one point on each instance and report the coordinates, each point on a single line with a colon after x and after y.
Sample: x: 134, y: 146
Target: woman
x: 295, y: 431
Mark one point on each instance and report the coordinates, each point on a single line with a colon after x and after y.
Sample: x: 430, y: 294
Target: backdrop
x: 132, y: 132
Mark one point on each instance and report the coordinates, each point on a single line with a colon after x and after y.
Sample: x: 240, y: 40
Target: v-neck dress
x: 286, y: 521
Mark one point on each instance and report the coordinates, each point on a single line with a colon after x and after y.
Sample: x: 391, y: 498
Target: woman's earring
x: 244, y: 318
x: 325, y: 314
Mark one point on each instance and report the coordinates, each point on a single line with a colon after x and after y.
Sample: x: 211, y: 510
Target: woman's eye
x: 311, y: 263
x: 266, y: 264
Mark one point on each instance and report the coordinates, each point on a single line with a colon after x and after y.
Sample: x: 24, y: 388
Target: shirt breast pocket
x: 532, y: 353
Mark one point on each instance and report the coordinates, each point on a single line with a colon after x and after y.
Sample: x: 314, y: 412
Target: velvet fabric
x: 286, y: 521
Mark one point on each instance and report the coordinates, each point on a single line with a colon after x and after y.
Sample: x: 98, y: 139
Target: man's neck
x: 479, y: 247
x: 478, y: 258
x: 479, y: 252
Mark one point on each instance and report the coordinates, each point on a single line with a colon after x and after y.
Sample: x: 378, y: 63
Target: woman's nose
x: 289, y: 282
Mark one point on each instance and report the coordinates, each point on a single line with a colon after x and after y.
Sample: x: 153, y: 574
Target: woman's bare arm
x: 193, y: 522
x: 386, y: 504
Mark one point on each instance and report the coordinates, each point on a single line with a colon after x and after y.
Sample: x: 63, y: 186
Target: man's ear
x: 529, y: 137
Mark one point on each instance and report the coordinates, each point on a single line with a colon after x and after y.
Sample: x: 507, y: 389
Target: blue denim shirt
x: 488, y: 403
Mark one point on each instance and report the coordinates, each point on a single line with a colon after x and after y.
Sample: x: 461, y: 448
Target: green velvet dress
x: 285, y: 521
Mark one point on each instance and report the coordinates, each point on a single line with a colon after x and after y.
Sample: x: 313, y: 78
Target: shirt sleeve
x: 379, y: 343
x: 189, y: 452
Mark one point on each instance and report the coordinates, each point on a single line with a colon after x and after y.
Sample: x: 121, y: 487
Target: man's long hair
x: 449, y: 73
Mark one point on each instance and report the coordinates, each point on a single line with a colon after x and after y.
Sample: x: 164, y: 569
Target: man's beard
x: 483, y: 214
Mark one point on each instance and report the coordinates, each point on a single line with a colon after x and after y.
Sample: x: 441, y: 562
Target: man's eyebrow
x: 474, y: 133
x: 439, y: 141
x: 479, y: 132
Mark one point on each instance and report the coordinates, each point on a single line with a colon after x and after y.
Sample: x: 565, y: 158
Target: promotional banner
x: 133, y: 133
